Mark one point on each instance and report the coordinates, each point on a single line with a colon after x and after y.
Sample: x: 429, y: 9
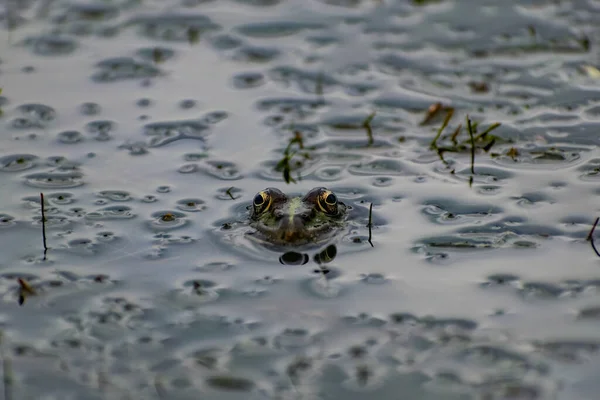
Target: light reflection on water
x: 149, y: 131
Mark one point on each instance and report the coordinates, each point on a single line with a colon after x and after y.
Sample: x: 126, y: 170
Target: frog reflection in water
x: 296, y: 221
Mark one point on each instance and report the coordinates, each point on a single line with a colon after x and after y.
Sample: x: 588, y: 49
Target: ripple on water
x: 163, y: 133
x: 51, y: 45
x: 115, y: 195
x: 191, y: 205
x: 222, y: 170
x: 379, y: 167
x: 111, y: 212
x: 47, y: 180
x: 34, y: 116
x: 122, y: 68
x: 175, y: 28
x: 167, y: 220
x: 276, y: 29
x: 448, y: 211
x: 17, y: 162
x: 156, y: 54
x: 248, y: 80
x: 255, y: 54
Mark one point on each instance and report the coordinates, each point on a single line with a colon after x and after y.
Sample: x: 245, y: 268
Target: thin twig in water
x: 590, y: 236
x: 370, y: 224
x: 470, y: 128
x: 7, y: 374
x: 229, y: 193
x: 43, y: 225
x: 367, y: 125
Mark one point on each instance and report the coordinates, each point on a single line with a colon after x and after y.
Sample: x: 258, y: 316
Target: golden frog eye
x: 262, y: 201
x: 328, y: 202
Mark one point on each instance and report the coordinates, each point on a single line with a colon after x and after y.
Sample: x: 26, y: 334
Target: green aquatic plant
x: 367, y: 125
x: 476, y: 140
x: 287, y: 162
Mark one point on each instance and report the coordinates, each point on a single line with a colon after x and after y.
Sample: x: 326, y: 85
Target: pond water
x: 150, y: 125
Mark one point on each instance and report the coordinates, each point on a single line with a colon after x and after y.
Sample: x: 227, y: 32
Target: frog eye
x: 262, y: 201
x: 328, y: 202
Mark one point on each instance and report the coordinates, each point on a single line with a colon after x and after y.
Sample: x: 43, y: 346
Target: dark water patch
x: 188, y: 168
x: 115, y: 195
x: 215, y: 266
x: 225, y: 42
x: 51, y: 45
x: 198, y: 291
x: 156, y: 54
x: 111, y: 212
x: 299, y: 166
x: 379, y: 167
x: 175, y: 28
x: 54, y: 180
x: 248, y: 80
x: 194, y: 156
x: 124, y: 68
x: 260, y: 3
x: 52, y: 221
x: 88, y: 13
x: 167, y: 220
x: 565, y: 351
x: 106, y: 237
x: 256, y: 54
x: 373, y: 278
x: 532, y: 200
x: 187, y: 104
x: 61, y: 198
x: 7, y: 220
x: 230, y: 383
x: 328, y: 173
x: 513, y: 361
x: 589, y: 313
x: 501, y: 280
x: 590, y: 171
x: 214, y: 117
x: 277, y: 29
x: 306, y: 81
x: 485, y: 175
x: 541, y: 290
x: 560, y: 155
x: 448, y: 211
x: 343, y: 3
x: 293, y: 107
x: 101, y: 130
x: 17, y: 162
x: 34, y: 116
x: 163, y: 133
x: 135, y: 148
x: 191, y: 205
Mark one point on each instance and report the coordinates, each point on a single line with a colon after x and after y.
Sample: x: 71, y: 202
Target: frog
x: 288, y: 221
